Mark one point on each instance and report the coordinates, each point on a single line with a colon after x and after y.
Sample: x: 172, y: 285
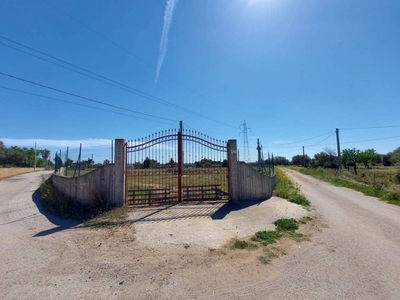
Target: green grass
x: 285, y: 228
x: 371, y: 186
x: 266, y: 237
x: 284, y: 188
x: 243, y: 245
x: 286, y: 224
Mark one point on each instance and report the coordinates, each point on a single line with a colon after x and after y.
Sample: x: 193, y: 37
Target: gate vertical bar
x: 180, y: 162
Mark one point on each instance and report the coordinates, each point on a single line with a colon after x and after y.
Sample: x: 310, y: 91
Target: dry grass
x: 10, y: 172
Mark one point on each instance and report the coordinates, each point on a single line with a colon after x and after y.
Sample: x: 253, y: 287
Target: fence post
x: 233, y: 170
x: 180, y: 165
x: 120, y: 172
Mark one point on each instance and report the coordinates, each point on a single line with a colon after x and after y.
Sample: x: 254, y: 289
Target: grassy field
x: 10, y: 172
x: 159, y: 178
x: 380, y: 182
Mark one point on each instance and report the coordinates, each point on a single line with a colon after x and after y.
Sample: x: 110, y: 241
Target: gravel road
x: 357, y: 255
x: 353, y: 252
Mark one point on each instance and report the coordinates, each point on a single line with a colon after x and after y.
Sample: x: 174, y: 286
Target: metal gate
x: 175, y: 166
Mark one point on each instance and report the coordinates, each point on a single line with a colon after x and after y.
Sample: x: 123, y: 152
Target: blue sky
x: 293, y: 70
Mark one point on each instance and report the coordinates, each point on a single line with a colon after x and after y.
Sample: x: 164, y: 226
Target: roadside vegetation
x: 284, y: 228
x: 286, y: 189
x: 265, y: 240
x: 367, y: 171
x: 379, y: 182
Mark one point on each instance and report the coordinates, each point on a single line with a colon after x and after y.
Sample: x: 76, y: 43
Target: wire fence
x: 80, y: 159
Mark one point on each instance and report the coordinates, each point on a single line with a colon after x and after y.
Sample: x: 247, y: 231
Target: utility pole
x: 66, y: 164
x: 304, y: 159
x: 338, y: 150
x: 259, y: 154
x: 246, y: 150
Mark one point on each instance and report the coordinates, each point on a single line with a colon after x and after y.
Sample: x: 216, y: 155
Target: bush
x: 397, y: 177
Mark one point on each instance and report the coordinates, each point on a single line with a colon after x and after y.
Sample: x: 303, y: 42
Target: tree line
x: 24, y: 157
x: 349, y: 157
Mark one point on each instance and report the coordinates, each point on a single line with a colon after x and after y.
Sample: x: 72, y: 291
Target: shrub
x: 397, y: 177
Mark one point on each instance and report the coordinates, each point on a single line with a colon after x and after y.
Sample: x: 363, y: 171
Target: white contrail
x: 169, y: 11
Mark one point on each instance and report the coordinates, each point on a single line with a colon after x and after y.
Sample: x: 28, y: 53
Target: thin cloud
x: 168, y: 14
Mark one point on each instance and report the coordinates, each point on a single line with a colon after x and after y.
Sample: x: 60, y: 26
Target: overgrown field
x: 10, y: 172
x: 380, y: 182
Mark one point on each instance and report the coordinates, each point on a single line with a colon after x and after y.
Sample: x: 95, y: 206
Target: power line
x: 79, y: 104
x: 371, y: 140
x: 322, y: 140
x: 116, y: 44
x: 376, y: 127
x: 84, y: 98
x: 111, y: 81
x: 279, y: 146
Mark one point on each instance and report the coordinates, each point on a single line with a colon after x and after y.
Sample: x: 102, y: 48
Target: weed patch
x: 298, y: 198
x: 286, y: 224
x: 243, y: 245
x: 284, y: 188
x: 266, y: 237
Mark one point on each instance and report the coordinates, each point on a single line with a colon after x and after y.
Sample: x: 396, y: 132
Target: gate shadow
x: 231, y: 206
x: 61, y: 224
x: 188, y: 210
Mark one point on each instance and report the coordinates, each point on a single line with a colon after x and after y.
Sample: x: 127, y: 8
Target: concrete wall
x: 245, y: 183
x: 253, y: 185
x: 108, y: 180
x: 83, y: 188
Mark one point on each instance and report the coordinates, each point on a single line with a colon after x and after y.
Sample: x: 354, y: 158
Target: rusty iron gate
x: 175, y: 166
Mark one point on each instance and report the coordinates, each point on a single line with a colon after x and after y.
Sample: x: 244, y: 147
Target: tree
x: 279, y: 161
x: 149, y: 163
x: 171, y: 162
x: 367, y: 156
x: 297, y: 160
x: 106, y: 162
x: 350, y: 157
x: 321, y: 158
x: 395, y: 155
x: 69, y: 162
x: 224, y: 163
x: 45, y: 154
x: 386, y: 160
x: 3, y: 152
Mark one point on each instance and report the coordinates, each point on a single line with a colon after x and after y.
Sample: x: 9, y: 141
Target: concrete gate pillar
x: 233, y: 171
x: 119, y: 171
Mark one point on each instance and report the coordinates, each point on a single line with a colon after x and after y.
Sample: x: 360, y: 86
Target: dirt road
x: 353, y: 252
